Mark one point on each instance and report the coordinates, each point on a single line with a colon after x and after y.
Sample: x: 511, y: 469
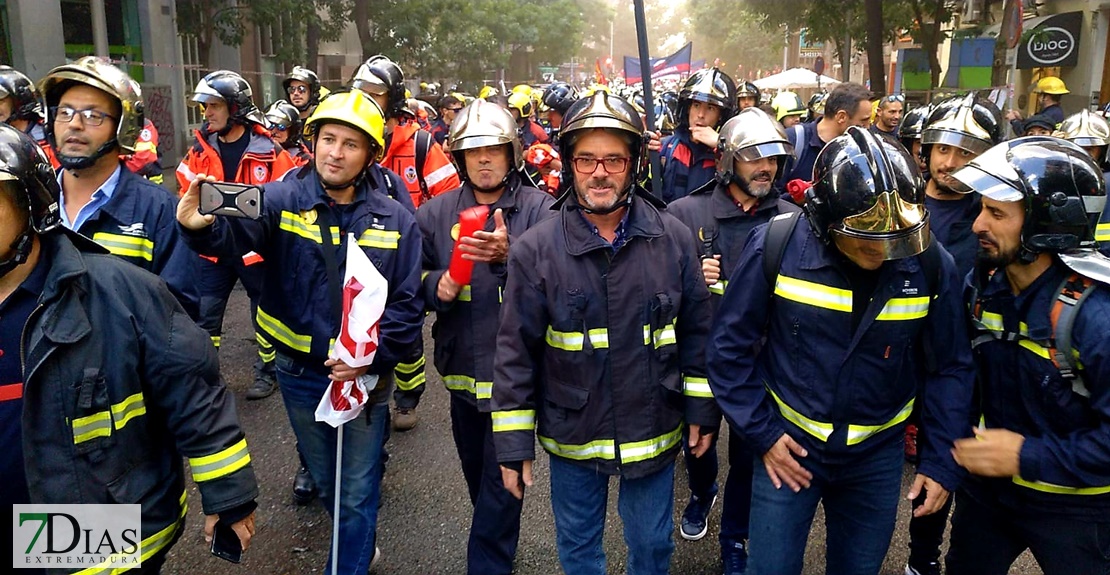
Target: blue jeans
x: 363, y: 441
x: 578, y: 499
x: 860, y: 498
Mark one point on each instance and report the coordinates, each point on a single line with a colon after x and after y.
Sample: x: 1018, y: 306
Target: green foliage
x: 735, y: 35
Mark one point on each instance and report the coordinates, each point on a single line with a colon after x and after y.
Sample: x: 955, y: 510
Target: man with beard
x: 1040, y: 458
x: 301, y: 312
x: 95, y: 114
x: 302, y: 86
x: 707, y: 100
x: 233, y: 146
x: 888, y: 115
x: 487, y: 151
x: 956, y: 131
x: 601, y: 342
x: 820, y: 353
x: 752, y: 148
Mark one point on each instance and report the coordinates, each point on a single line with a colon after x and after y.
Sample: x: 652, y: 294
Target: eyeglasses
x: 611, y: 165
x: 90, y: 117
x: 297, y: 90
x: 453, y: 109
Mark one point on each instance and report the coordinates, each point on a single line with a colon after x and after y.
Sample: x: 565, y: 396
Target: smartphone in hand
x: 225, y: 543
x: 228, y: 199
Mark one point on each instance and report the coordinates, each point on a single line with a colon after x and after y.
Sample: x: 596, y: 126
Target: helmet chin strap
x: 22, y: 247
x: 82, y: 162
x: 351, y: 183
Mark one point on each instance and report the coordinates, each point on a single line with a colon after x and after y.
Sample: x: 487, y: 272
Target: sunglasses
x: 453, y: 109
x: 297, y: 90
x: 895, y: 98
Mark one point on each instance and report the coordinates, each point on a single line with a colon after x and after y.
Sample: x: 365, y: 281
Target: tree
x: 873, y: 9
x: 737, y: 37
x: 928, y: 17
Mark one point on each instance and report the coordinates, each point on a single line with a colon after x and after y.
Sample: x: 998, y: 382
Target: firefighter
x: 720, y: 214
x: 20, y: 107
x: 449, y: 105
x: 1040, y: 458
x: 855, y: 318
x: 558, y: 97
x: 523, y: 109
x: 487, y: 152
x: 707, y: 100
x: 302, y: 87
x: 95, y: 115
x: 301, y: 312
x: 285, y: 125
x: 789, y: 109
x: 747, y: 96
x: 118, y: 382
x: 909, y: 134
x: 233, y: 146
x: 1048, y: 92
x: 1091, y: 132
x: 427, y: 172
x: 600, y: 351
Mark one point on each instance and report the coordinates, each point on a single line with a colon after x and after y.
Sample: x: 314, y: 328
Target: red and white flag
x: 364, y: 297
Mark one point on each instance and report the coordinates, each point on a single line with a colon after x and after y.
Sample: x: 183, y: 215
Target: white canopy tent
x: 795, y: 79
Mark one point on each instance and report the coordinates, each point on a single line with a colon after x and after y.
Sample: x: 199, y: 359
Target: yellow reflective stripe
x: 100, y: 424
x: 650, y: 448
x: 382, y: 239
x: 409, y: 376
x: 126, y: 246
x: 1060, y: 489
x: 574, y: 340
x: 1102, y: 232
x: 464, y: 293
x: 599, y: 449
x: 515, y: 420
x: 459, y: 383
x: 282, y: 333
x: 660, y: 337
x: 221, y: 463
x: 992, y: 321
x: 128, y: 409
x: 424, y: 275
x: 719, y: 287
x: 96, y: 425
x: 484, y: 389
x: 904, y: 308
x: 1036, y: 348
x: 860, y: 433
x: 150, y: 545
x: 817, y: 429
x: 813, y: 294
x: 696, y: 387
x: 294, y: 223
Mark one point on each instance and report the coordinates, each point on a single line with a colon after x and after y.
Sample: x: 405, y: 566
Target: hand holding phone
x: 229, y: 199
x: 225, y: 543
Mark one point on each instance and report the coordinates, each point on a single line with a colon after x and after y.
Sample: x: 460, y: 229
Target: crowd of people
x: 848, y: 284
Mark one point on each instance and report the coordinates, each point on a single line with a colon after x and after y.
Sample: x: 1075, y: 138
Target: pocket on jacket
x: 136, y: 484
x: 92, y: 424
x: 285, y: 364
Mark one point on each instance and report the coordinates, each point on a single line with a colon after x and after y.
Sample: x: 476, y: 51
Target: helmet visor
x: 881, y: 247
x: 371, y: 86
x: 770, y: 149
x: 890, y: 214
x: 973, y: 179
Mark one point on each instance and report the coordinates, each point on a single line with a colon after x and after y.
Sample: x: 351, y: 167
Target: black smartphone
x: 228, y: 199
x: 225, y: 543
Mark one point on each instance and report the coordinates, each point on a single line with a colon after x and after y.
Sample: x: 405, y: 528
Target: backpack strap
x: 799, y: 137
x: 774, y: 244
x: 1073, y: 291
x: 423, y: 146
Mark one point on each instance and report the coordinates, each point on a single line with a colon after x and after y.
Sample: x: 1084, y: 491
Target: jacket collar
x: 122, y: 205
x: 644, y: 220
x: 259, y: 145
x: 509, y: 201
x: 370, y: 192
x: 815, y: 254
x: 65, y: 322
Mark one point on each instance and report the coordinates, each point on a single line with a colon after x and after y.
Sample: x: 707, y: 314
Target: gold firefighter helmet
x: 481, y: 124
x: 100, y: 74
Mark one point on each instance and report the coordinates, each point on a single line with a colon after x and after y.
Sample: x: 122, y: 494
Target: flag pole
x: 649, y: 104
x: 335, y: 498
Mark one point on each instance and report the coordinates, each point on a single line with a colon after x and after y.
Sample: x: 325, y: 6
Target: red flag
x: 364, y: 297
x: 599, y: 76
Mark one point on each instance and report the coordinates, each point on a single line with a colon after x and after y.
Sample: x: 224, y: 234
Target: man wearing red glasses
x: 601, y: 347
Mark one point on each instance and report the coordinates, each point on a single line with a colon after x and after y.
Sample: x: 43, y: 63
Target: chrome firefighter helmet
x: 1062, y: 190
x: 16, y: 84
x: 711, y: 86
x: 912, y: 126
x: 967, y: 122
x: 233, y: 90
x: 750, y: 135
x: 1087, y: 130
x: 747, y: 90
x: 381, y: 76
x: 302, y: 74
x: 482, y: 124
x: 867, y: 190
x: 97, y: 73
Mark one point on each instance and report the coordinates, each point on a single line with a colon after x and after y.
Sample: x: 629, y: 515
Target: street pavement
x: 425, y: 514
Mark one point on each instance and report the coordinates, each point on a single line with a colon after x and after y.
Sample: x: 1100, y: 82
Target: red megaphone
x: 470, y: 221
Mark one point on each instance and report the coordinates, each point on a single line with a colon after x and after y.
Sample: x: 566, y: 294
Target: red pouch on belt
x: 470, y: 221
